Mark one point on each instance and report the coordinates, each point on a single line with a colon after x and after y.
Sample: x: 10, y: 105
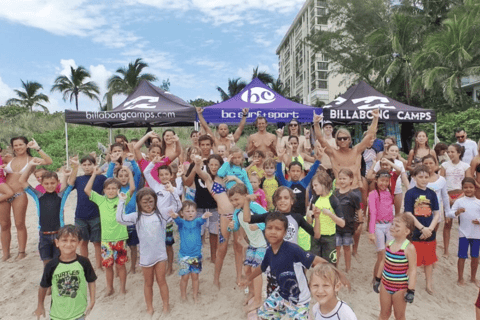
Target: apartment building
x: 302, y: 70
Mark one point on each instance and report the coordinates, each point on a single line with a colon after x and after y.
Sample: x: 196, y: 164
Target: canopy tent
x: 262, y: 101
x: 356, y: 104
x: 147, y: 106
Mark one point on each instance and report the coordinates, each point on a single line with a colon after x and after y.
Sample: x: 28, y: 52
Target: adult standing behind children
x: 21, y: 149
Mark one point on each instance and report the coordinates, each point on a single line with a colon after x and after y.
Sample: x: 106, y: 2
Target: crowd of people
x: 290, y: 202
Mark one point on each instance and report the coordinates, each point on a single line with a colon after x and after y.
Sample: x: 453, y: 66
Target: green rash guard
x: 69, y: 286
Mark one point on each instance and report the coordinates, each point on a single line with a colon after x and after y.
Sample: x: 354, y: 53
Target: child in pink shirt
x: 380, y: 203
x: 261, y: 197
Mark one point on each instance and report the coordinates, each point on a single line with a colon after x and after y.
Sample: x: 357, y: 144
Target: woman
x: 420, y: 150
x: 475, y: 172
x: 294, y: 130
x: 19, y: 201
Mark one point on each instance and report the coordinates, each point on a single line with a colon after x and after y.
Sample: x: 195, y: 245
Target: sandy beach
x: 20, y: 282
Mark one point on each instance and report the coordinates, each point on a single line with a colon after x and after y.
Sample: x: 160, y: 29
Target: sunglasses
x: 343, y: 138
x: 460, y: 137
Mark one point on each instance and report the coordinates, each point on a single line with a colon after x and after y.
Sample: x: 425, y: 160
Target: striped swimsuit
x: 394, y: 276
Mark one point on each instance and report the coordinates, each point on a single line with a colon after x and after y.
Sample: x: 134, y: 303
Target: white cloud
x: 5, y: 92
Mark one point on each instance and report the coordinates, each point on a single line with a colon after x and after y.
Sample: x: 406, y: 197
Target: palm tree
x: 264, y: 76
x: 129, y: 78
x: 450, y: 55
x: 75, y: 84
x: 234, y: 87
x: 29, y: 98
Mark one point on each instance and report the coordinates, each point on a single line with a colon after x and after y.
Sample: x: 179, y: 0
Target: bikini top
x: 8, y: 168
x: 217, y: 188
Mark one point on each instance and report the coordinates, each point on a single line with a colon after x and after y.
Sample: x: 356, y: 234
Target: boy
x: 287, y: 262
x: 270, y: 182
x: 68, y: 276
x: 257, y: 247
x: 257, y: 164
x: 114, y: 235
x: 49, y: 206
x: 422, y: 204
x: 87, y: 218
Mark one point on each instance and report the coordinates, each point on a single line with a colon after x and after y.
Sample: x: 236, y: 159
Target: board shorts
x: 345, y: 239
x: 90, y: 229
x: 382, y: 235
x: 275, y: 307
x: 213, y: 222
x: 132, y: 240
x: 464, y: 243
x: 325, y: 247
x: 189, y: 264
x: 46, y: 246
x: 254, y: 256
x: 169, y: 240
x: 426, y: 252
x: 114, y: 252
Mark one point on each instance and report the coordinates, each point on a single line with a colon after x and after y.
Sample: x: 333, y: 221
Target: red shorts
x: 426, y: 252
x: 477, y: 304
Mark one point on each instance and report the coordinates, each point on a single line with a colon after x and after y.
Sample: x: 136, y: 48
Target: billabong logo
x: 258, y: 95
x: 132, y: 104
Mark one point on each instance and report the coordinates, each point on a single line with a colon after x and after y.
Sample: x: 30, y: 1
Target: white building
x: 300, y: 69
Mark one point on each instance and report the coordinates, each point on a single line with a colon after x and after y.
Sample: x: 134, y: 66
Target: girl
x: 190, y: 254
x: 380, y: 202
x: 331, y: 215
x: 353, y: 215
x: 123, y: 175
x: 324, y: 286
x: 150, y: 223
x: 225, y: 209
x: 397, y: 274
x: 18, y: 202
x: 167, y: 196
x: 467, y: 209
x: 420, y: 150
x: 454, y: 171
x: 261, y: 198
x: 234, y: 168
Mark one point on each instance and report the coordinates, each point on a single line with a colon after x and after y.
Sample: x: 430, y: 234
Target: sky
x: 196, y: 44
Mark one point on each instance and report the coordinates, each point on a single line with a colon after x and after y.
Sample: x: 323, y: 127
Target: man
x: 262, y: 140
x: 222, y: 129
x: 470, y: 146
x: 203, y: 198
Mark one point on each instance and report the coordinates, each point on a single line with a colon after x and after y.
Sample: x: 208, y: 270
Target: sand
x: 20, y: 282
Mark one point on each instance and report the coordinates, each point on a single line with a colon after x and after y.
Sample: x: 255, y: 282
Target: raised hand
x: 122, y: 196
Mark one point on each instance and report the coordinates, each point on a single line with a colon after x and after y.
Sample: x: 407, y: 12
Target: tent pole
x: 66, y: 141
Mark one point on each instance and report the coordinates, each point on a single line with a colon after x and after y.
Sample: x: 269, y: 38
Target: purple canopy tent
x: 262, y: 101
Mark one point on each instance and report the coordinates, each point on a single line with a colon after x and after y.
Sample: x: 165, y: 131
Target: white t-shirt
x: 341, y: 312
x: 470, y: 150
x: 454, y: 174
x: 398, y: 186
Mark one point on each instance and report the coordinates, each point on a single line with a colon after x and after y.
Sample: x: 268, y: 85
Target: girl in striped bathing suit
x: 398, y: 270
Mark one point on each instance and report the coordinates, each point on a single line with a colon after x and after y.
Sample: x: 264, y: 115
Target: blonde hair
x: 327, y: 271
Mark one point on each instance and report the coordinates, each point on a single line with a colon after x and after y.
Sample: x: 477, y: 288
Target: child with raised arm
x: 190, y: 254
x: 50, y: 206
x: 287, y: 262
x: 325, y: 284
x: 467, y: 209
x: 381, y: 206
x: 422, y: 204
x: 397, y: 275
x: 167, y: 196
x: 123, y: 175
x: 234, y: 168
x: 150, y: 222
x: 257, y: 245
x: 68, y: 276
x: 114, y: 235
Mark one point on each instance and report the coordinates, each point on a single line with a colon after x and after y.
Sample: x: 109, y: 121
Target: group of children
x: 284, y: 219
